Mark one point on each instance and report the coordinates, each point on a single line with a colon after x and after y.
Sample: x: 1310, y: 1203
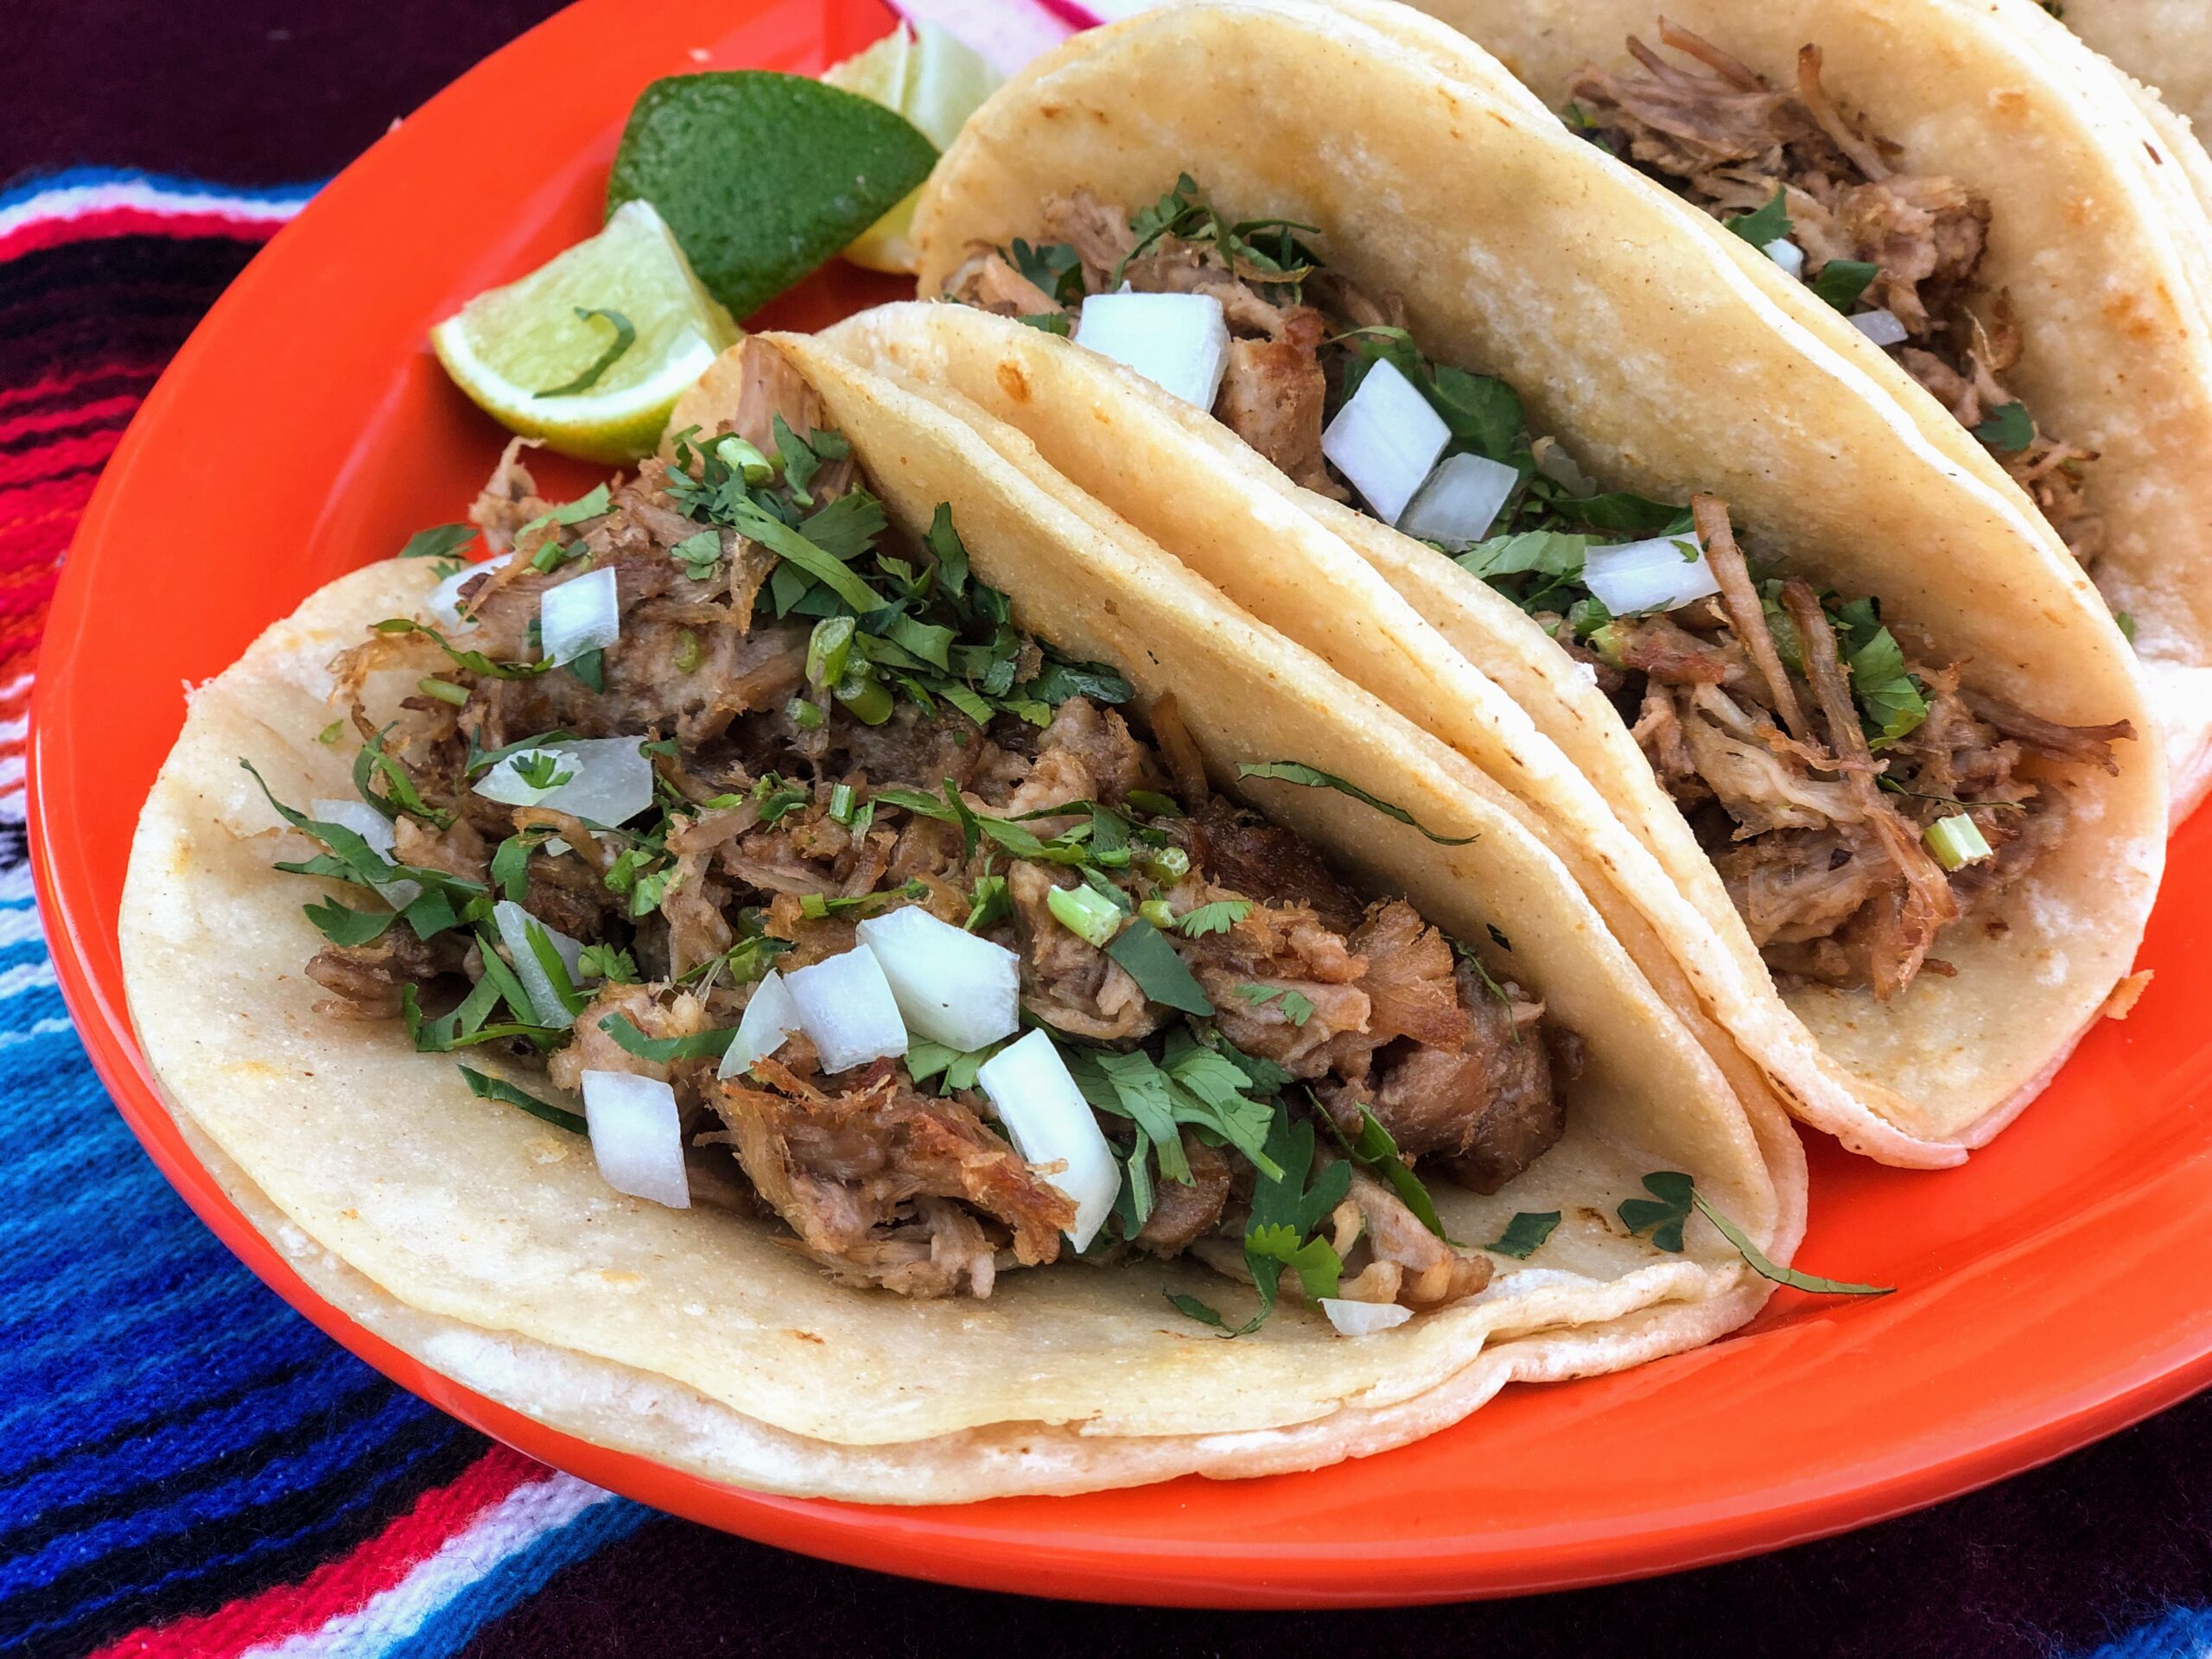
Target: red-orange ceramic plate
x: 2057, y: 1287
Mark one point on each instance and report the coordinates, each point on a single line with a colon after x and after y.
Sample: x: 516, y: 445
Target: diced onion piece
x: 516, y: 925
x: 1957, y: 841
x: 579, y: 614
x: 1177, y: 341
x: 1363, y: 1319
x: 610, y: 780
x: 374, y: 827
x: 1634, y: 578
x: 1385, y: 440
x: 770, y: 1017
x: 637, y: 1136
x: 1881, y: 327
x: 951, y: 987
x: 846, y: 1010
x: 1787, y: 254
x: 1460, y: 501
x: 444, y: 602
x: 1051, y: 1123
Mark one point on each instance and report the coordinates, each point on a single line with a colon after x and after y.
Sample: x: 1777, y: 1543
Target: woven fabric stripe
x: 186, y: 1465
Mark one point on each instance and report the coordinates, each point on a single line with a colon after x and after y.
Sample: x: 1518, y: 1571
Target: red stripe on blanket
x: 345, y: 1585
x: 132, y: 221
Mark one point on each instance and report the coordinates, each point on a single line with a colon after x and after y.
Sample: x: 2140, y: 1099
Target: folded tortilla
x: 1665, y: 361
x: 2098, y: 235
x: 488, y: 1245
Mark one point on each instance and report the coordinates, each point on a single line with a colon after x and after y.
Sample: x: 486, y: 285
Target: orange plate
x: 2058, y: 1286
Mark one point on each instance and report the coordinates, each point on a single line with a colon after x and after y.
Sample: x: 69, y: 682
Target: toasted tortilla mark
x: 1012, y: 381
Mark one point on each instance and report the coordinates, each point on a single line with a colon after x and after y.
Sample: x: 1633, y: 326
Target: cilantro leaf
x: 1664, y: 1212
x: 1768, y: 224
x: 1840, y: 281
x: 484, y: 1086
x: 1297, y: 772
x: 847, y: 527
x: 1216, y: 917
x: 1296, y: 1007
x: 439, y: 541
x: 1191, y: 1308
x: 1377, y: 1152
x: 1159, y: 972
x: 1524, y: 1234
x: 343, y: 925
x: 701, y: 556
x: 700, y: 1046
x: 2008, y: 427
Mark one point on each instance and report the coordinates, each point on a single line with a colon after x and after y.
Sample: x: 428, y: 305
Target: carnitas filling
x: 1810, y: 183
x: 773, y: 862
x: 1857, y: 798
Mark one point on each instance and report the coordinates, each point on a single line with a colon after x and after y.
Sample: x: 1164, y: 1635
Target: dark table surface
x: 2094, y: 1546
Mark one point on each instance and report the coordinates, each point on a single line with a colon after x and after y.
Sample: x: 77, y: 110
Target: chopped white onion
x: 374, y: 827
x: 444, y: 602
x: 610, y: 779
x: 1385, y: 439
x: 1177, y: 341
x: 516, y: 925
x: 846, y: 1010
x: 637, y: 1136
x: 1363, y: 1319
x: 1881, y: 327
x: 579, y: 614
x: 1631, y: 578
x: 1460, y: 501
x: 1051, y: 1123
x: 951, y: 987
x: 1787, y: 254
x: 770, y: 1017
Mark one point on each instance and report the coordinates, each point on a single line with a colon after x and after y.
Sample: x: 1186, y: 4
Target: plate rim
x: 956, y: 1544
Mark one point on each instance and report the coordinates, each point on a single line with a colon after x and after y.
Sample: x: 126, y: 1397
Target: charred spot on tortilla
x: 1857, y: 800
x: 785, y: 883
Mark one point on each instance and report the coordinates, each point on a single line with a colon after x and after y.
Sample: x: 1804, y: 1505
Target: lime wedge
x: 936, y: 83
x: 762, y: 176
x: 512, y: 347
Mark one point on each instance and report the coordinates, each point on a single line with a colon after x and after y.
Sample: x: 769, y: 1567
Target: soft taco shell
x: 1659, y: 356
x: 486, y: 1242
x: 2098, y: 233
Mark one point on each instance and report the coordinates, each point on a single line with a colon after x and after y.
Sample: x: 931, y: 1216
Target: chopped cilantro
x: 1768, y: 224
x: 1297, y: 772
x: 609, y: 963
x: 700, y: 1046
x: 701, y: 556
x: 440, y: 542
x: 1296, y: 1007
x: 1524, y: 1234
x: 1840, y: 281
x: 1159, y: 973
x: 2008, y: 427
x: 1664, y: 1212
x: 1216, y: 917
x: 484, y: 1086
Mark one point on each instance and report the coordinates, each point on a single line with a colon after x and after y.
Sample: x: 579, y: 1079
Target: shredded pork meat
x: 1719, y: 135
x: 758, y: 847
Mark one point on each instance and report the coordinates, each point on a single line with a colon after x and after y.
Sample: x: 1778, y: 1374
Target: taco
x: 841, y: 967
x: 1900, y: 840
x: 1977, y: 196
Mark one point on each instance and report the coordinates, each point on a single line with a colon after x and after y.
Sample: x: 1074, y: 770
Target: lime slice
x: 512, y: 346
x: 936, y: 83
